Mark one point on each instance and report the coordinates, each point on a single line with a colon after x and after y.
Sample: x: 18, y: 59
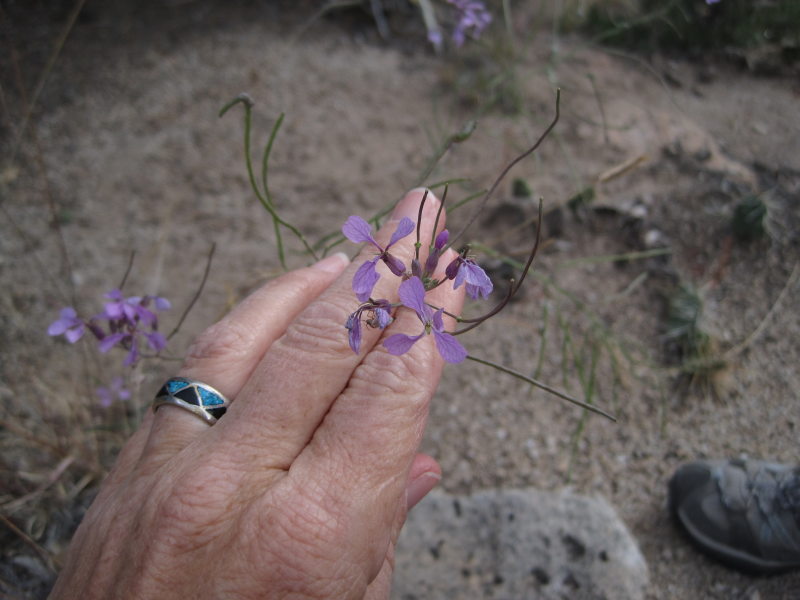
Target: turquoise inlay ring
x: 197, y: 397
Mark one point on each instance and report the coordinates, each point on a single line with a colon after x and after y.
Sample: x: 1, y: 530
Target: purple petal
x: 438, y: 321
x: 73, y: 334
x: 114, y: 295
x: 400, y: 343
x: 58, y: 327
x: 383, y: 317
x: 478, y: 282
x: 114, y: 310
x: 449, y: 347
x: 452, y: 269
x: 133, y: 355
x: 404, y: 227
x: 358, y: 230
x: 365, y: 279
x: 104, y: 395
x: 124, y: 394
x: 433, y: 261
x: 110, y: 341
x: 395, y: 265
x: 146, y: 316
x: 157, y: 341
x: 68, y: 318
x: 441, y: 240
x: 161, y: 303
x: 412, y: 295
x: 460, y: 275
x: 353, y: 326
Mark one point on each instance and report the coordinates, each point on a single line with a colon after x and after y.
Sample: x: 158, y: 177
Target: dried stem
x: 127, y: 270
x: 513, y: 287
x: 510, y: 165
x: 197, y: 293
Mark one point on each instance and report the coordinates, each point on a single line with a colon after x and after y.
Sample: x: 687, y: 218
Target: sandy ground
x: 136, y: 159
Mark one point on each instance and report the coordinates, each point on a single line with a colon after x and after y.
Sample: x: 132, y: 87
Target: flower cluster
x: 124, y: 322
x: 416, y: 282
x: 473, y: 18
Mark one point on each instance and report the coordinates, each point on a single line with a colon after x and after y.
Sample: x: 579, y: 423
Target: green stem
x: 542, y: 386
x: 264, y: 200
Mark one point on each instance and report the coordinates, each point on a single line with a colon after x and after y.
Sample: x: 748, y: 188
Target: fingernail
x: 420, y: 487
x: 335, y: 263
x: 409, y: 205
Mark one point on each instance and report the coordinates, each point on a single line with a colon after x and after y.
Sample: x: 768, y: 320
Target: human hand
x: 301, y: 488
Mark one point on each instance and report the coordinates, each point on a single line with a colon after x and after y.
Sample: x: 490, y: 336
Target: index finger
x: 306, y: 369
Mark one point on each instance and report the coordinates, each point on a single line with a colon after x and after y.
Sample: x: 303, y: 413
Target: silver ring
x: 198, y: 398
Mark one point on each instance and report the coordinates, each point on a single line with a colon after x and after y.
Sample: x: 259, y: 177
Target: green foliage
x: 521, y: 188
x: 748, y: 219
x: 696, y: 26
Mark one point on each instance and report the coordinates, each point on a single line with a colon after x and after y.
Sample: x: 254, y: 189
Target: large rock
x: 517, y: 544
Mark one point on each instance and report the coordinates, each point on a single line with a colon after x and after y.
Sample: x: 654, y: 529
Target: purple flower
x: 358, y: 230
x: 472, y: 15
x: 412, y: 295
x: 435, y: 38
x: 466, y: 270
x: 133, y: 309
x: 380, y: 318
x: 130, y: 339
x: 68, y: 325
x: 710, y: 2
x: 115, y: 391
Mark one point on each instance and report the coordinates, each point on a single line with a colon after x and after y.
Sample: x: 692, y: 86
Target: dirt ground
x: 135, y: 158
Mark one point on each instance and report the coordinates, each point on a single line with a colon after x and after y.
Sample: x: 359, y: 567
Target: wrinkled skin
x: 301, y: 489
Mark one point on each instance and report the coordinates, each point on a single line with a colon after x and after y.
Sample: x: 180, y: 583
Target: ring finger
x: 226, y: 353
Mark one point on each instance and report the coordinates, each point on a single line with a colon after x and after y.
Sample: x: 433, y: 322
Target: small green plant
x: 749, y: 219
x: 686, y: 332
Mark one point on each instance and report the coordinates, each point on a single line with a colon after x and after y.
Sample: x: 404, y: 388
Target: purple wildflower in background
x: 359, y: 231
x: 130, y: 339
x: 68, y: 325
x: 125, y: 317
x: 133, y: 309
x: 473, y: 18
x: 380, y: 318
x: 412, y: 295
x: 710, y: 2
x: 466, y: 270
x: 115, y: 391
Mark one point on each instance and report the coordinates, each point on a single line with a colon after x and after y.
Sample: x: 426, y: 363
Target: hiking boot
x: 745, y: 513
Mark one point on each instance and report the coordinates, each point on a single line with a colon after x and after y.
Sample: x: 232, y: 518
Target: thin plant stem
x: 264, y: 182
x: 418, y: 243
x: 197, y: 293
x: 127, y: 270
x: 542, y: 341
x: 513, y: 287
x: 508, y: 167
x: 248, y: 103
x: 438, y: 216
x: 542, y: 386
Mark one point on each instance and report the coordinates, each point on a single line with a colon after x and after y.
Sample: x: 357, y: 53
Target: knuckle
x: 222, y: 341
x: 319, y: 329
x: 384, y: 373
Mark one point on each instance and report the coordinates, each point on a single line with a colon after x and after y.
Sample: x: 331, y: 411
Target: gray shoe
x: 745, y: 513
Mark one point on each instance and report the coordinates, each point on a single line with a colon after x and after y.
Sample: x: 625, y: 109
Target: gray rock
x: 516, y: 544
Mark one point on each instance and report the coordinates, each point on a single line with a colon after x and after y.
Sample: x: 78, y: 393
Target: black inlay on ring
x: 188, y: 395
x: 217, y: 412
